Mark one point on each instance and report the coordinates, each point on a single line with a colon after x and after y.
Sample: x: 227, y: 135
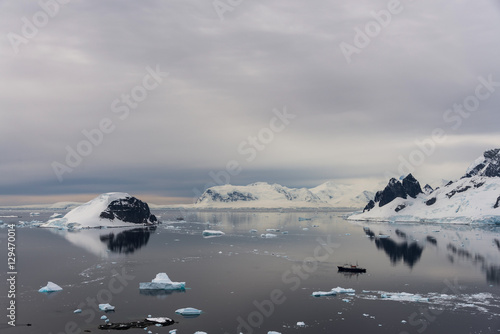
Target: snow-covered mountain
x: 473, y: 198
x: 259, y: 194
x: 265, y: 195
x: 342, y: 195
x: 110, y: 210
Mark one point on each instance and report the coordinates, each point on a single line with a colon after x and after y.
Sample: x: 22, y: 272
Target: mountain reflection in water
x: 127, y: 241
x: 410, y: 253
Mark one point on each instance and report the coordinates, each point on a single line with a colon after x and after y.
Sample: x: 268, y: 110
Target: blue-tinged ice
x: 50, y: 287
x: 162, y: 282
x: 106, y: 307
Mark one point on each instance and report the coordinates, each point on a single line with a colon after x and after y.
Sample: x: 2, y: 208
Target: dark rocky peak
x: 428, y: 189
x: 411, y: 186
x: 488, y: 165
x: 393, y: 190
x: 129, y: 209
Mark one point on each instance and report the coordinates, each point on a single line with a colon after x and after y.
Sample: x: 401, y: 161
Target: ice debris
x: 162, y: 282
x: 273, y: 332
x: 104, y: 317
x: 212, y: 233
x: 333, y: 292
x: 79, y: 310
x: 301, y: 324
x: 268, y: 235
x: 106, y: 307
x: 50, y: 287
x: 188, y: 311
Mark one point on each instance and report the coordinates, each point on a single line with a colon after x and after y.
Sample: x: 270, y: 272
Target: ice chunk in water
x: 50, y: 287
x: 273, y: 332
x: 188, y: 311
x: 106, y: 307
x: 333, y: 292
x: 212, y: 233
x: 268, y: 235
x: 162, y: 282
x: 301, y: 324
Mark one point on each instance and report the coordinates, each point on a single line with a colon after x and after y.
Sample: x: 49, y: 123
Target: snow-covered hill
x: 342, y: 195
x: 265, y: 195
x: 110, y: 210
x: 473, y: 198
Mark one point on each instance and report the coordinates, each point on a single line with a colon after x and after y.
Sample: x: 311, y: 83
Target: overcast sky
x: 286, y: 91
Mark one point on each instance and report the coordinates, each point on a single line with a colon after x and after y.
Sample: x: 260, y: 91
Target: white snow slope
x: 468, y: 200
x: 87, y: 215
x: 265, y: 195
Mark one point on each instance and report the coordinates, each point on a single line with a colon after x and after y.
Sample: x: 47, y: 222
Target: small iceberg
x: 50, y: 287
x: 162, y: 282
x: 212, y: 233
x: 106, y: 307
x: 301, y: 324
x: 268, y: 235
x: 78, y: 310
x: 333, y: 292
x: 188, y: 312
x: 160, y: 320
x: 273, y: 332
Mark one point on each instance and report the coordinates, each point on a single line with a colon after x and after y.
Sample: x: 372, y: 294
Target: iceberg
x: 301, y: 324
x: 188, y: 311
x: 273, y: 332
x: 333, y: 292
x: 212, y: 233
x: 268, y: 235
x: 50, y: 287
x: 106, y: 307
x: 162, y: 282
x: 160, y: 320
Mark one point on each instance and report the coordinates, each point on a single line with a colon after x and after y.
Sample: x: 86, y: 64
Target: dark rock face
x: 369, y: 206
x: 130, y: 210
x: 411, y: 186
x: 234, y: 196
x: 393, y: 190
x: 136, y: 324
x: 400, y: 207
x: 428, y: 189
x: 431, y: 201
x: 497, y: 204
x: 490, y: 167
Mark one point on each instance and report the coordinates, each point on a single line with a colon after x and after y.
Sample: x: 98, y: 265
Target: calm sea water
x: 423, y: 278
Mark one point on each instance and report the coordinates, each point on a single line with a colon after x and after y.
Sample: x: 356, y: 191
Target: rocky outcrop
x: 487, y: 165
x: 393, y: 190
x: 411, y: 186
x: 130, y: 210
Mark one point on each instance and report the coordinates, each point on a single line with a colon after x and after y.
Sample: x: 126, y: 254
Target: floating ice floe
x: 104, y: 317
x: 253, y: 231
x: 160, y: 320
x: 79, y: 310
x: 198, y: 332
x: 272, y: 230
x: 50, y: 287
x: 106, y: 307
x: 162, y: 282
x: 273, y: 332
x: 333, y: 292
x: 404, y: 296
x: 212, y: 233
x: 188, y: 311
x: 268, y: 235
x: 301, y: 324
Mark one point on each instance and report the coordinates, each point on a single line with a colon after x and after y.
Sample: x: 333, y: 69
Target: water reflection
x: 492, y: 271
x: 409, y: 253
x: 102, y: 242
x: 159, y: 293
x: 128, y: 241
